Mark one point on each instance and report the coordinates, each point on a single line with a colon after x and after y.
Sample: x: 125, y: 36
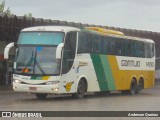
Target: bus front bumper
x: 36, y: 88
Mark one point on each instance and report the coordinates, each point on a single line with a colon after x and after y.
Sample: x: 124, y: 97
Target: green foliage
x: 2, y: 10
x: 2, y: 5
x: 29, y: 15
x: 8, y: 11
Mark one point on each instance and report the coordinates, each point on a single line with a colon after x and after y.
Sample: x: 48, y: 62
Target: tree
x: 8, y: 12
x: 2, y: 10
x: 2, y: 6
x: 29, y: 15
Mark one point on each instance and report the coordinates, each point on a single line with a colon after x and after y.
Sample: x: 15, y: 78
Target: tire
x: 140, y: 85
x: 80, y: 90
x: 41, y: 96
x: 133, y: 87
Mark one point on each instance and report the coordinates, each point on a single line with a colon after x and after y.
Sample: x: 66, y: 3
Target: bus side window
x: 109, y: 46
x: 118, y: 47
x: 84, y: 43
x: 101, y: 42
x: 142, y: 53
x: 104, y: 45
x: 138, y: 48
x: 127, y: 48
x: 96, y: 44
x: 152, y: 50
x: 132, y: 44
x: 123, y: 47
x: 69, y: 52
x: 147, y: 50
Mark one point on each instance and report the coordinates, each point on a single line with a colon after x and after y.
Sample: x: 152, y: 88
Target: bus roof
x: 105, y: 31
x: 51, y: 28
x: 134, y: 38
x: 114, y: 33
x: 102, y: 31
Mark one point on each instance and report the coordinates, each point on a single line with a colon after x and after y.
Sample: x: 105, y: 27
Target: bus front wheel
x: 41, y: 95
x: 80, y: 90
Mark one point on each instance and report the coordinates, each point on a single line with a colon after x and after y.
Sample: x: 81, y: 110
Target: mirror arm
x: 59, y: 50
x: 6, y: 50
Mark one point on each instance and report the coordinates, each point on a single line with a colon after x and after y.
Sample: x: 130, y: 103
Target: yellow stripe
x: 123, y: 77
x: 45, y: 77
x: 105, y: 31
x: 115, y: 71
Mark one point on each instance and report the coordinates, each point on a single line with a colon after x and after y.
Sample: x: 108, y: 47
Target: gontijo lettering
x: 130, y: 63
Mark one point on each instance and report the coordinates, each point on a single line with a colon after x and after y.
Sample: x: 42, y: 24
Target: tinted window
x: 149, y: 50
x: 111, y: 46
x: 69, y: 52
x: 84, y: 43
x: 100, y: 44
x: 96, y: 44
x: 118, y: 47
x: 105, y: 45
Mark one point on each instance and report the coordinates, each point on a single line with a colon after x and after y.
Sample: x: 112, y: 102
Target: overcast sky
x: 134, y: 14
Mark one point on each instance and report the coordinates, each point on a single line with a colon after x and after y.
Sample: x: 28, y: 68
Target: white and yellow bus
x: 68, y: 60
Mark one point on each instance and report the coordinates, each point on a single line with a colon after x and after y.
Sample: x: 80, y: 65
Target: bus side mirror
x: 6, y: 50
x: 59, y: 51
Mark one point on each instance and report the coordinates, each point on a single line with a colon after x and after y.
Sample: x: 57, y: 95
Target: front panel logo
x: 68, y: 86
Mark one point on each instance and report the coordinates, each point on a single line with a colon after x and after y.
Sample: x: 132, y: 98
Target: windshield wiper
x: 40, y: 68
x: 29, y: 63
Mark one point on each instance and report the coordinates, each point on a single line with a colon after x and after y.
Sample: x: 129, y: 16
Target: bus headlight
x: 52, y: 82
x: 17, y: 81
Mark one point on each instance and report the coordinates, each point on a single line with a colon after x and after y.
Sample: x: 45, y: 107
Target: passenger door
x: 69, y: 65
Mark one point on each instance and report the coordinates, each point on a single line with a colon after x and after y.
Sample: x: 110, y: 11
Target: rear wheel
x: 140, y: 85
x: 41, y: 95
x: 80, y: 90
x: 133, y: 87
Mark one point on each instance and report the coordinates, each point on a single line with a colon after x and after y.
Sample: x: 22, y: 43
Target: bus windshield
x: 36, y: 54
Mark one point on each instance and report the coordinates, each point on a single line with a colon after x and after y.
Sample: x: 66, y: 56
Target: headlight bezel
x: 17, y: 81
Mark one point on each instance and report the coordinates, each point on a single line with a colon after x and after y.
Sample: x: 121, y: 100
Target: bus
x: 76, y: 61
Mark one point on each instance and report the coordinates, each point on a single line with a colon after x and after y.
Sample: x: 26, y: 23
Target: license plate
x: 32, y: 88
